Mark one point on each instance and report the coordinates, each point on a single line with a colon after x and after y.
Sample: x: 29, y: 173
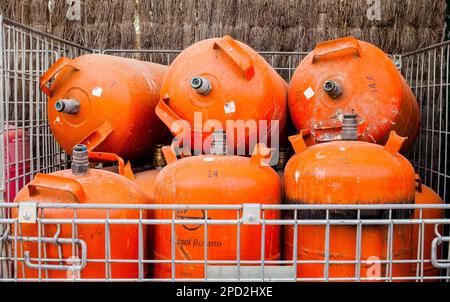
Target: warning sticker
x: 309, y: 93
x: 97, y: 91
x: 229, y: 107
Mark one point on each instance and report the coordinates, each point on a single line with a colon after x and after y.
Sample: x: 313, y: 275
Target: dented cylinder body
x: 107, y: 103
x: 346, y: 74
x: 211, y: 179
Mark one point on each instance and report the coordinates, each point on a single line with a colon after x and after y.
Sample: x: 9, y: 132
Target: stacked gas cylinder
x: 351, y: 107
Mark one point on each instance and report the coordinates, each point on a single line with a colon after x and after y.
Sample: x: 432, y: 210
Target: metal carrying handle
x: 58, y: 183
x: 261, y: 155
x: 237, y: 54
x: 52, y: 71
x: 394, y: 143
x: 301, y: 141
x: 96, y: 137
x: 172, y: 120
x: 438, y: 241
x: 324, y: 49
x: 176, y: 125
x: 108, y: 157
x: 170, y: 155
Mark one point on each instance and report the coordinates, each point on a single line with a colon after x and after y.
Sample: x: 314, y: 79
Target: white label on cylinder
x: 229, y: 107
x: 97, y: 91
x: 309, y: 93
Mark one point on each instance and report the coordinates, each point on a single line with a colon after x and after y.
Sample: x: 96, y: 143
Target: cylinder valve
x: 349, y: 127
x: 201, y: 85
x: 332, y: 88
x: 80, y: 160
x: 70, y: 106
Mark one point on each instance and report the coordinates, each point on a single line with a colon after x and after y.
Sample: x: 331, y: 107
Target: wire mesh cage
x: 56, y: 249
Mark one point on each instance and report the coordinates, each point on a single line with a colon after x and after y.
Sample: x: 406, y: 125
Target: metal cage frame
x: 26, y: 53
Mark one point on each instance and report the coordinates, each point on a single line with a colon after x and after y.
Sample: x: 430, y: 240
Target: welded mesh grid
x: 69, y: 252
x: 25, y: 54
x: 27, y: 144
x: 284, y: 63
x: 427, y: 72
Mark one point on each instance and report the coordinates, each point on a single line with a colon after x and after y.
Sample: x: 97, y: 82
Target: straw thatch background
x: 263, y: 24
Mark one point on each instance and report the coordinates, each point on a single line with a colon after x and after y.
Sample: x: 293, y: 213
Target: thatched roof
x: 286, y: 25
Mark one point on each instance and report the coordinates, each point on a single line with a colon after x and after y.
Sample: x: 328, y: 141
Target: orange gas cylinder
x: 219, y: 80
x: 424, y: 195
x: 85, y: 186
x: 349, y: 172
x: 105, y: 102
x: 209, y: 180
x: 345, y: 74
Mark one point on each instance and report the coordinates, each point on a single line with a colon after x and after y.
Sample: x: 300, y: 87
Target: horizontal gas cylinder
x: 219, y: 80
x: 349, y: 172
x: 347, y: 74
x: 215, y: 179
x: 425, y: 195
x: 70, y: 256
x: 105, y: 102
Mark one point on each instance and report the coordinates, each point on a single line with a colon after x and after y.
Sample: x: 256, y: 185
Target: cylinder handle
x: 394, y: 143
x: 172, y: 120
x: 169, y: 154
x: 327, y: 48
x: 58, y: 183
x: 261, y: 155
x: 237, y: 54
x: 108, y: 157
x: 52, y: 71
x: 301, y: 141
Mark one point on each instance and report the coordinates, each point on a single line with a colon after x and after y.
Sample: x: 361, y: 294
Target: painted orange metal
x: 117, y: 99
x: 370, y: 84
x: 425, y: 195
x: 211, y: 179
x: 97, y: 187
x: 146, y: 181
x: 348, y: 172
x: 243, y: 87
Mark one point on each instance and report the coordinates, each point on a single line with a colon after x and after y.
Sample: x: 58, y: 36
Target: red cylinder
x: 17, y: 159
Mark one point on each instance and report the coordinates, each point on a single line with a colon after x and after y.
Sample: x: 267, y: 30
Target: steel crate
x: 26, y: 53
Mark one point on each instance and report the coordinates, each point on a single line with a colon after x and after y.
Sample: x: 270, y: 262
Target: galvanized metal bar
x: 205, y: 245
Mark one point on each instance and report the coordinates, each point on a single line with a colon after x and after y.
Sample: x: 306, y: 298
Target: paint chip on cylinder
x: 229, y: 107
x: 97, y: 91
x: 309, y: 93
